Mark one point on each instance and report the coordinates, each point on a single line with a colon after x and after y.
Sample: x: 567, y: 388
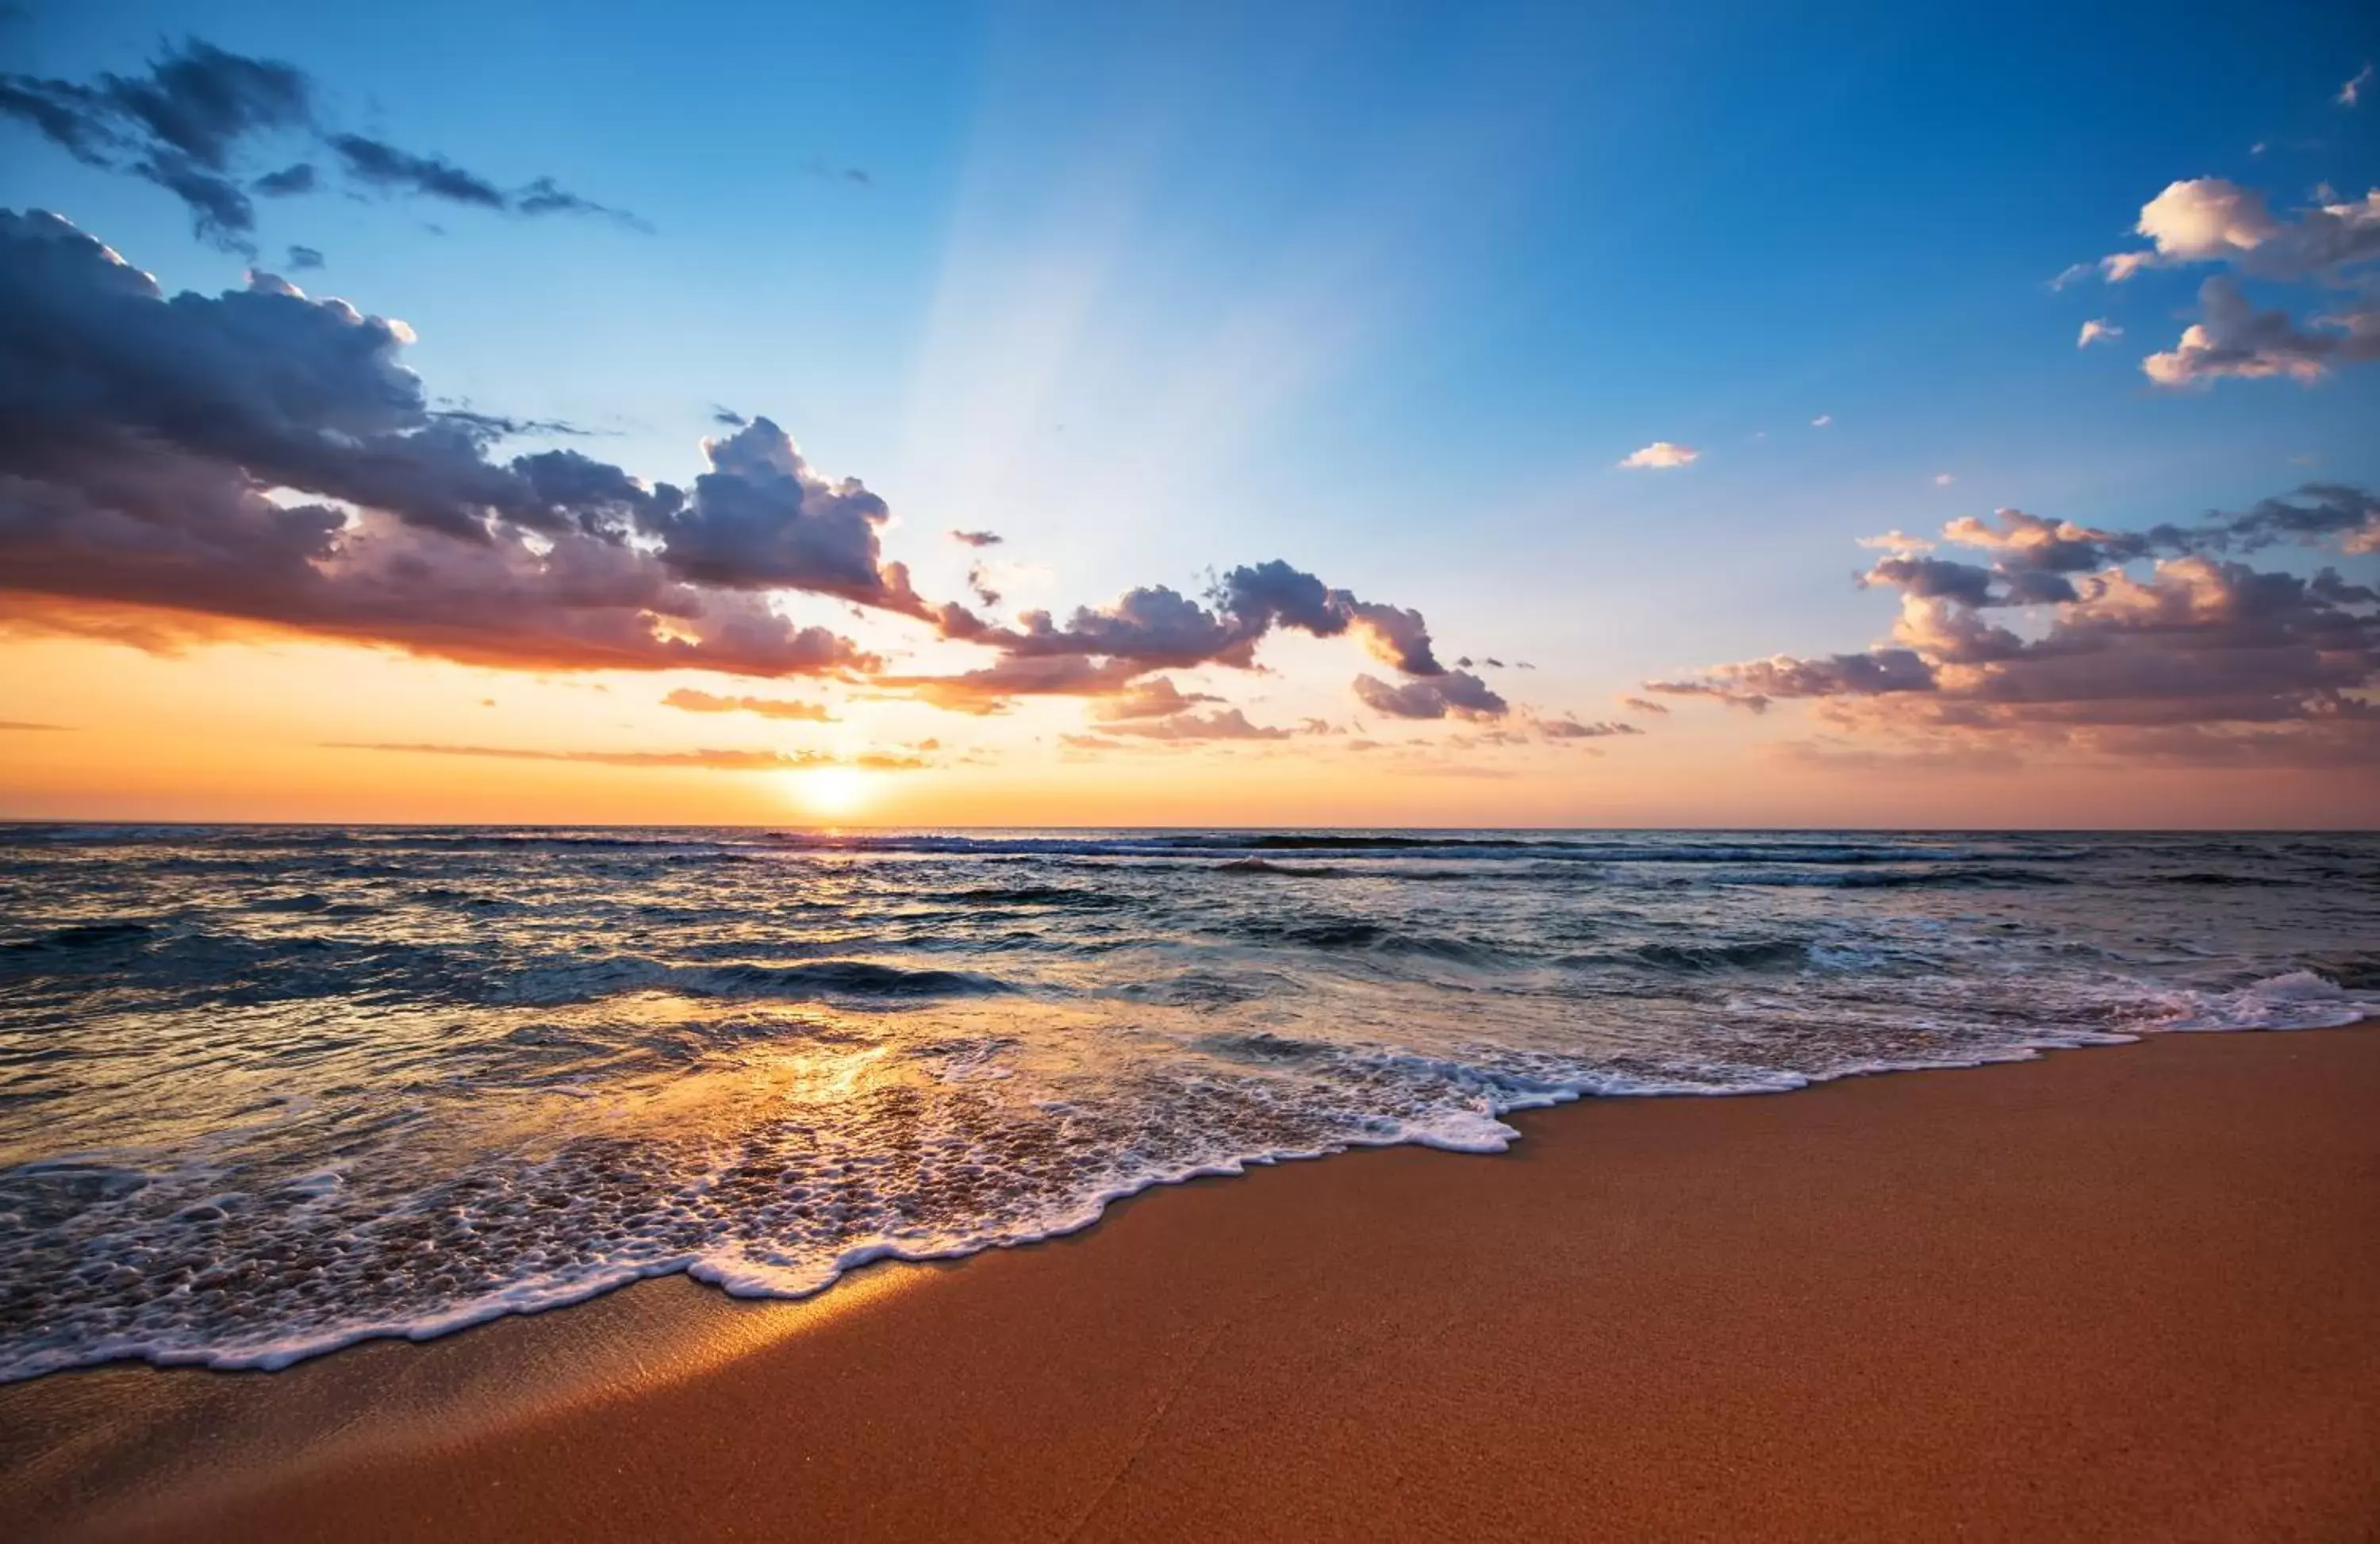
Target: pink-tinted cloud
x: 2157, y: 644
x: 1662, y: 456
x: 2331, y: 247
x: 688, y: 699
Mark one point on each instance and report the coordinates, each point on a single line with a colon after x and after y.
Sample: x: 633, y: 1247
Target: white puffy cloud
x: 1661, y: 455
x: 2332, y: 244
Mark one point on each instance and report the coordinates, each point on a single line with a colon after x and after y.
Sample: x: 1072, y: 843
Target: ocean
x: 267, y: 1092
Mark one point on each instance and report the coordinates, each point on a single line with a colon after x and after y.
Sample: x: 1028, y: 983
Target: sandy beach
x: 2115, y: 1293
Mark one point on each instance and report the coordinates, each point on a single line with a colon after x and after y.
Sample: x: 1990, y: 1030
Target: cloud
x: 978, y: 538
x: 376, y: 164
x: 1822, y: 420
x: 992, y: 688
x: 763, y: 518
x: 688, y: 699
x: 1645, y: 705
x: 302, y: 394
x: 978, y: 580
x: 300, y: 259
x: 2351, y: 92
x: 2097, y: 332
x: 19, y: 727
x: 2233, y: 338
x: 1155, y: 697
x: 1572, y: 729
x: 1456, y: 694
x: 263, y: 458
x: 710, y: 761
x: 287, y: 183
x: 1157, y: 627
x: 2211, y: 220
x: 1943, y: 480
x: 193, y: 465
x: 1103, y: 650
x: 198, y: 113
x: 1225, y: 723
x: 2207, y: 219
x: 2158, y: 646
x: 1661, y: 454
x: 857, y: 176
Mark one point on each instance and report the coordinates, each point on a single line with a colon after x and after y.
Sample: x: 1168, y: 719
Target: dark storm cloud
x: 199, y: 112
x: 2198, y: 658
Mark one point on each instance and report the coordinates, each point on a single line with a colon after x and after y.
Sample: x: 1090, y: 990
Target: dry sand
x: 2126, y: 1293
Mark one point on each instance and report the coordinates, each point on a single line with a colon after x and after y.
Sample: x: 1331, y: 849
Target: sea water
x: 267, y: 1092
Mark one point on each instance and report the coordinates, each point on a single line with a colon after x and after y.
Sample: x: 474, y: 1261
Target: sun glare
x: 831, y: 790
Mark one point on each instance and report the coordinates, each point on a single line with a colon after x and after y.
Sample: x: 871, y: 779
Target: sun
x: 831, y: 790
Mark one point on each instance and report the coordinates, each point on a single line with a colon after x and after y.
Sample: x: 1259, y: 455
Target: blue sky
x: 1384, y: 291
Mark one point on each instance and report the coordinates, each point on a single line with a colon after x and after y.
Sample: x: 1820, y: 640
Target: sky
x: 1014, y: 415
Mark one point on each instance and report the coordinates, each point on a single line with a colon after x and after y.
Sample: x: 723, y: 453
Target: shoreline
x: 1649, y: 1315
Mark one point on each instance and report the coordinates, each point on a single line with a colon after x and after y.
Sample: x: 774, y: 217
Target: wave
x: 1752, y: 954
x: 841, y: 978
x: 83, y: 935
x: 1951, y: 878
x: 1347, y: 934
x: 1038, y: 895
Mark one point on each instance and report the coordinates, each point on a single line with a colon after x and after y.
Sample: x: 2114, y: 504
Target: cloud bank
x: 179, y: 466
x: 2158, y: 644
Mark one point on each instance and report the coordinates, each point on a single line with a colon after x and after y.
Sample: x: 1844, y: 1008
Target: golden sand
x: 2122, y: 1294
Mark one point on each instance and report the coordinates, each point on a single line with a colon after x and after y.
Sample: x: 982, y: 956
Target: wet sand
x: 2116, y: 1294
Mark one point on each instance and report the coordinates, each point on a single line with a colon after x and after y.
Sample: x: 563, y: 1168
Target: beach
x: 2112, y: 1294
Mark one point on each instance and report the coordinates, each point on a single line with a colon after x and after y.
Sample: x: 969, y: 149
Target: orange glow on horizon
x: 322, y: 732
